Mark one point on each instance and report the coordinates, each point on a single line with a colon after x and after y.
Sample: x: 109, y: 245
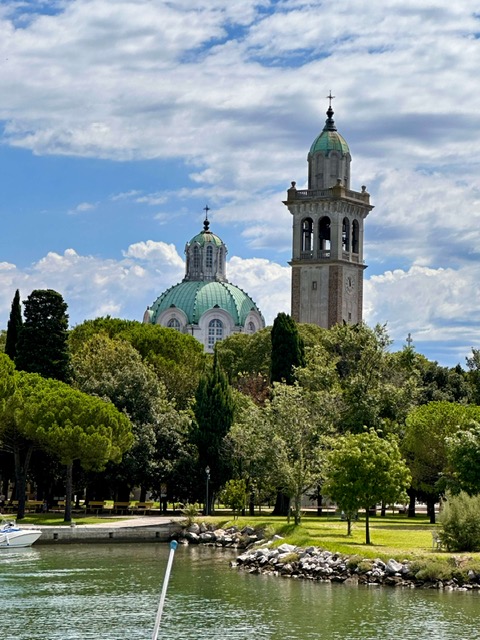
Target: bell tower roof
x: 329, y: 139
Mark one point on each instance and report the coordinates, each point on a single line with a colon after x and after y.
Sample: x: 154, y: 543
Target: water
x: 111, y: 592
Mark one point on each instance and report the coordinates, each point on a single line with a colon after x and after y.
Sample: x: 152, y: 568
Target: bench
x: 121, y: 507
x: 95, y: 506
x: 37, y: 506
x: 436, y: 541
x: 141, y: 507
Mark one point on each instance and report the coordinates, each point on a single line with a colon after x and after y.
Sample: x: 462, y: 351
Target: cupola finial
x: 206, y: 222
x: 330, y: 123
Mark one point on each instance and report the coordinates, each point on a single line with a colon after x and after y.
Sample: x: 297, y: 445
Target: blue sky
x: 120, y: 120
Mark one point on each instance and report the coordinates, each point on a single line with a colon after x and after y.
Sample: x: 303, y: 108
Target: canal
x: 111, y: 592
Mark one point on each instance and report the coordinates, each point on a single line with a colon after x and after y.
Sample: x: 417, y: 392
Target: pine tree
x: 14, y: 327
x: 42, y: 344
x: 287, y: 349
x: 214, y: 412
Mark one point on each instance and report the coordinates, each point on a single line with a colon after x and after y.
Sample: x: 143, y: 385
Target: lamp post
x: 207, y: 473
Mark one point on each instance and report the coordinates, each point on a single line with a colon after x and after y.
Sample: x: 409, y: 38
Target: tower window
x: 209, y: 257
x: 250, y: 327
x: 346, y: 234
x: 314, y: 285
x: 307, y: 234
x: 196, y: 258
x: 215, y: 332
x: 355, y: 236
x: 324, y: 233
x: 173, y: 323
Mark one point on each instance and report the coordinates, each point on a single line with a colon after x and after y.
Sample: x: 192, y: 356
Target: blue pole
x: 173, y: 546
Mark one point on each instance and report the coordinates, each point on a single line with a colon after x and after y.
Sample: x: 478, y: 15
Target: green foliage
x: 14, y: 327
x: 364, y: 470
x: 190, y: 511
x: 7, y: 378
x: 463, y: 455
x: 430, y: 570
x: 214, y: 413
x: 234, y: 495
x: 460, y: 522
x: 425, y: 441
x: 243, y: 354
x: 113, y: 369
x: 177, y: 359
x: 288, y: 349
x: 42, y: 343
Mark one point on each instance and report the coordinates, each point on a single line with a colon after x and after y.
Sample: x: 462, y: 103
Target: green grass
x: 392, y: 536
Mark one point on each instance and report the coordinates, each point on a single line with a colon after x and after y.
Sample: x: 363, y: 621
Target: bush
x: 431, y: 570
x: 190, y: 511
x: 460, y: 523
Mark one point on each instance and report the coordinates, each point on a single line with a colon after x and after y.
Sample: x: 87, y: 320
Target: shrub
x: 431, y: 570
x: 190, y: 511
x: 460, y: 523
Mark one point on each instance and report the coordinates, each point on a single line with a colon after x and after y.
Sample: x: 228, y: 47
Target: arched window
x: 209, y: 258
x: 196, y: 258
x: 250, y: 327
x: 173, y: 323
x: 355, y: 236
x: 215, y: 332
x: 307, y: 234
x: 324, y: 234
x: 346, y: 234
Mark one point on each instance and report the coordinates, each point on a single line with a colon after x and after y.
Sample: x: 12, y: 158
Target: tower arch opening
x: 324, y: 236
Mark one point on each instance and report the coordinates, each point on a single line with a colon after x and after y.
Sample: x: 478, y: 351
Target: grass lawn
x: 393, y: 536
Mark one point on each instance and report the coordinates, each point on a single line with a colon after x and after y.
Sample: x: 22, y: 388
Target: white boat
x: 12, y: 536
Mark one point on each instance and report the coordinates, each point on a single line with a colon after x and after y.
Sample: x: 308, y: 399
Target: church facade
x: 205, y: 304
x: 328, y: 226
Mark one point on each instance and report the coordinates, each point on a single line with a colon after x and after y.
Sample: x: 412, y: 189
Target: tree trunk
x: 282, y: 505
x: 411, y: 504
x: 251, y: 504
x: 431, y: 509
x: 367, y: 526
x: 21, y: 471
x: 68, y: 493
x: 319, y: 502
x: 383, y: 511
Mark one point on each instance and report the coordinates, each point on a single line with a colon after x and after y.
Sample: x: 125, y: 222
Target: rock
x: 192, y: 537
x: 393, y: 567
x: 194, y: 528
x: 286, y: 548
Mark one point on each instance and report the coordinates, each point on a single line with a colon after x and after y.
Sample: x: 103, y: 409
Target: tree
x: 299, y: 425
x: 14, y: 327
x: 234, y: 496
x: 42, y: 344
x: 214, y: 413
x: 365, y: 469
x: 177, y: 359
x: 463, y: 455
x: 425, y: 446
x: 74, y: 426
x: 113, y: 369
x: 287, y: 349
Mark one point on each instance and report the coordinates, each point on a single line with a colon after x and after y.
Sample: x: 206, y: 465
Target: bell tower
x: 328, y: 219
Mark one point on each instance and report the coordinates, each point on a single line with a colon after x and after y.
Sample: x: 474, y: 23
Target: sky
x: 120, y: 121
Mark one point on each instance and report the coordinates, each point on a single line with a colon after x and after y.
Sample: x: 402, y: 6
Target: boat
x: 13, y: 536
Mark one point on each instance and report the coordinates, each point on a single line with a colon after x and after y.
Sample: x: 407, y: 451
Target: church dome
x: 196, y: 298
x: 205, y: 304
x: 205, y: 237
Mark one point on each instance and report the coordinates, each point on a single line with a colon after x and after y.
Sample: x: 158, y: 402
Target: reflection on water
x: 111, y: 592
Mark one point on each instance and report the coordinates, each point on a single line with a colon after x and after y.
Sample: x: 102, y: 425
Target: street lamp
x: 207, y: 473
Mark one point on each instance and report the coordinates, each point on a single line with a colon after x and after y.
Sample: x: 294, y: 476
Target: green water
x: 111, y: 592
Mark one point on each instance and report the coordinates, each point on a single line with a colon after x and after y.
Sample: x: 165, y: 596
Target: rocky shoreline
x: 313, y: 563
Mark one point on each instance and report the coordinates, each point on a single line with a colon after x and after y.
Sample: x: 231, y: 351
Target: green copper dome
x: 204, y: 237
x: 194, y: 298
x: 329, y: 139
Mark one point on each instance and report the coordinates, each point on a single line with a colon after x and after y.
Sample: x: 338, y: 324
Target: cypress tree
x: 14, y: 326
x: 214, y: 412
x: 287, y: 349
x: 42, y: 344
